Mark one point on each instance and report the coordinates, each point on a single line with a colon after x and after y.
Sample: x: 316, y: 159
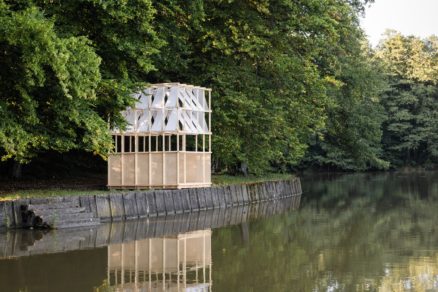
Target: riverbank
x: 96, y: 184
x: 74, y: 211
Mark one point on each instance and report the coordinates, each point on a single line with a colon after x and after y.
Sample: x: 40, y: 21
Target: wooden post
x: 177, y: 142
x: 135, y: 149
x: 177, y: 159
x: 209, y: 111
x: 149, y: 125
x: 185, y: 158
x: 110, y: 163
x: 149, y: 161
x: 203, y: 158
x: 122, y: 158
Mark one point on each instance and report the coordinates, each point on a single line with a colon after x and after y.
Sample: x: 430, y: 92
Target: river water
x: 353, y: 232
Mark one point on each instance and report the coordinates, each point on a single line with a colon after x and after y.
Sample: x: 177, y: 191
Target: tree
x: 263, y: 59
x: 66, y: 68
x: 411, y: 100
x: 351, y: 139
x: 47, y: 88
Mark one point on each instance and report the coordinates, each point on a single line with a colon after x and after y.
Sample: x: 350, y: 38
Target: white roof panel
x: 162, y: 107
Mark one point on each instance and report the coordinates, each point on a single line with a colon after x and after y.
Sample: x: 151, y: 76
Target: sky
x: 410, y: 17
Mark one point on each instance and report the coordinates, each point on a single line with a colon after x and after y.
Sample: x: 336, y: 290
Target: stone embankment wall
x: 17, y: 243
x: 153, y: 203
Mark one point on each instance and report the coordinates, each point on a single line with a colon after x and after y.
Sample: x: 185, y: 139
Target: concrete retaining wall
x: 150, y: 203
x: 18, y: 243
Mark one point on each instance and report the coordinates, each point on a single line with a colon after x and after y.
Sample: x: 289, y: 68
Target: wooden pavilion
x: 167, y: 142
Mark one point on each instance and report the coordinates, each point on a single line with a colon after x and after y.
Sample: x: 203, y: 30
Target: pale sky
x: 410, y: 17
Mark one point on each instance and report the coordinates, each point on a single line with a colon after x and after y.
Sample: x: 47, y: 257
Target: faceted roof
x: 169, y: 108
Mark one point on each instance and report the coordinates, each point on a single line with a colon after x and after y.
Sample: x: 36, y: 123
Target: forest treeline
x: 295, y: 83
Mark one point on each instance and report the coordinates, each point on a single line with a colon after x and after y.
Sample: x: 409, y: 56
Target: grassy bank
x: 93, y: 189
x: 224, y: 179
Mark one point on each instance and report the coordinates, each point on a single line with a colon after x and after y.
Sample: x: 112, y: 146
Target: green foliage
x: 351, y: 139
x: 265, y: 61
x: 122, y: 35
x: 47, y: 88
x: 65, y: 72
x: 411, y: 100
x: 286, y: 76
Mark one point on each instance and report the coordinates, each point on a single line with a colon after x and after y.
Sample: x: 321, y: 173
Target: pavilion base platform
x: 159, y: 170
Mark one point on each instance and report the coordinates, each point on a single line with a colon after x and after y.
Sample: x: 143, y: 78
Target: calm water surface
x: 361, y: 232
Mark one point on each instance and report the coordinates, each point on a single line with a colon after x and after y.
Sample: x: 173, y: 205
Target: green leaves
x: 286, y: 76
x: 65, y: 72
x: 411, y: 100
x: 39, y: 73
x: 263, y: 60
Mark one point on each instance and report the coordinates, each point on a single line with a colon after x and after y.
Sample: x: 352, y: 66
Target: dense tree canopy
x: 291, y: 79
x: 48, y: 85
x: 411, y: 99
x: 66, y: 67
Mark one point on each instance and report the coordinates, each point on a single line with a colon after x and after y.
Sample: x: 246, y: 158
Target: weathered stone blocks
x: 142, y: 204
x: 160, y: 202
x: 130, y: 205
x: 177, y: 196
x: 168, y: 202
x: 193, y: 197
x: 117, y: 207
x: 152, y: 206
x: 185, y: 200
x: 200, y: 193
x: 208, y: 198
x: 103, y: 207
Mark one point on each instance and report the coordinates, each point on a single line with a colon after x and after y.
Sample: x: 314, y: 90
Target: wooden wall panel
x: 197, y: 171
x: 194, y: 167
x: 128, y: 169
x: 170, y: 169
x: 115, y: 170
x: 142, y: 169
x: 157, y: 169
x: 207, y: 158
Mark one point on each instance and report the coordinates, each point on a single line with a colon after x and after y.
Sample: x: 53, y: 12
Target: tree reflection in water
x: 362, y: 232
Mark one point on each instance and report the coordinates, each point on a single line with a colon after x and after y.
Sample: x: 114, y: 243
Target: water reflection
x: 18, y: 243
x: 363, y: 232
x: 177, y: 263
x: 352, y: 233
x: 158, y: 254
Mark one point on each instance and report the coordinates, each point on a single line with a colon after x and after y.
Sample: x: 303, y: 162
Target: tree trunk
x: 244, y: 168
x: 17, y: 168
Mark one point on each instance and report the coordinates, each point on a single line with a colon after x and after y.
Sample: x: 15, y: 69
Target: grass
x: 50, y: 192
x: 221, y: 179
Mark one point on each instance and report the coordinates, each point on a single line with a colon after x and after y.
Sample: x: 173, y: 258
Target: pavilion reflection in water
x: 175, y: 263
